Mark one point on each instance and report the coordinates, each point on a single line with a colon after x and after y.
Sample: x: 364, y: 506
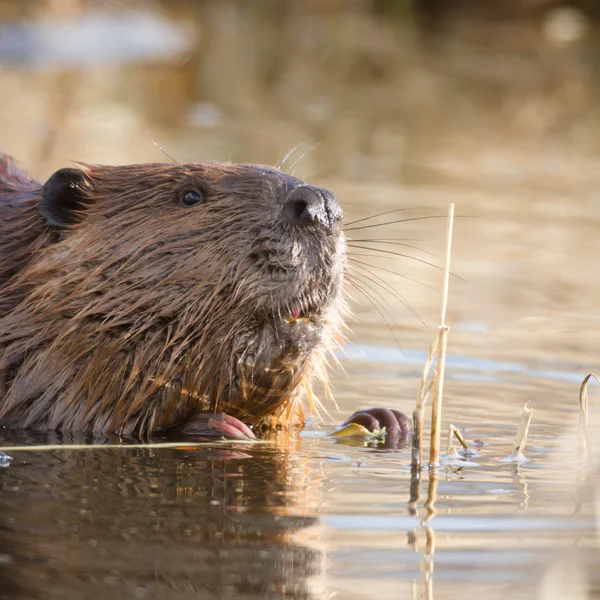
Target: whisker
x: 160, y: 147
x: 390, y: 252
x: 397, y: 273
x: 358, y: 252
x: 280, y: 163
x: 338, y: 192
x: 387, y: 212
x: 425, y: 262
x: 377, y: 308
x: 384, y: 285
x: 398, y: 221
x: 354, y: 272
x: 394, y: 242
x: 302, y: 156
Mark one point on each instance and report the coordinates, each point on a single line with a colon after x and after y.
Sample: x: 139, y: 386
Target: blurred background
x: 491, y: 104
x: 389, y: 89
x: 391, y: 103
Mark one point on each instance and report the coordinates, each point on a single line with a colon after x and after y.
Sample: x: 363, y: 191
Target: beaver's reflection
x: 107, y: 523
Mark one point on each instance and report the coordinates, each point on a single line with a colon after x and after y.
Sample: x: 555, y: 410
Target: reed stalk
x: 419, y: 413
x: 157, y: 445
x: 436, y: 407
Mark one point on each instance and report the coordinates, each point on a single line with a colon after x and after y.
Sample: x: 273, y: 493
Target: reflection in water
x: 157, y: 524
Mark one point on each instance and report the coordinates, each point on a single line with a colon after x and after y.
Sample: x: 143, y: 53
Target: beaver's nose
x: 308, y: 205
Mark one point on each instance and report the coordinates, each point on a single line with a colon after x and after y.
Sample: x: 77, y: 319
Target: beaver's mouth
x: 299, y: 315
x: 304, y: 310
x: 298, y: 285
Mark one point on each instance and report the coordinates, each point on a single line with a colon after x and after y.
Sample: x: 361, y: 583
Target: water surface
x: 312, y: 517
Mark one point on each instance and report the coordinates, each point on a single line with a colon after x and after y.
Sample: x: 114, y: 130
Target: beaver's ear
x: 63, y: 197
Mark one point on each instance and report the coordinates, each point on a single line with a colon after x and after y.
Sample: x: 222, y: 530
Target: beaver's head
x: 172, y: 287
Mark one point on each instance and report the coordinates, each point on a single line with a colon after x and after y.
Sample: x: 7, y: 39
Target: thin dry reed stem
x: 418, y: 414
x: 183, y: 444
x: 436, y: 408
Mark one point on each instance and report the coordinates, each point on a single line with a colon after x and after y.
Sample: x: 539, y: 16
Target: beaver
x: 196, y: 297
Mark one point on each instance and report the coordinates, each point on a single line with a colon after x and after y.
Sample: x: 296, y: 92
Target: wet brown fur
x: 143, y: 312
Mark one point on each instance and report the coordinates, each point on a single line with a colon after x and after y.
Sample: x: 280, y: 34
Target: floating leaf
x: 353, y: 430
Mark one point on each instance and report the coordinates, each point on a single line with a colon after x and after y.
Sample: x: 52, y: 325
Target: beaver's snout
x: 307, y: 204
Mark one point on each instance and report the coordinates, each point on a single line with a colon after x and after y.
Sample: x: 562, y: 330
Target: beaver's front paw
x: 211, y: 425
x: 374, y: 419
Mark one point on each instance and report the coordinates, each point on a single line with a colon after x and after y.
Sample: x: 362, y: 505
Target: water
x: 312, y: 517
x: 308, y: 517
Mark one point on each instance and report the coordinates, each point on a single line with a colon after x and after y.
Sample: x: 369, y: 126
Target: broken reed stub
x: 453, y: 432
x: 583, y: 414
x: 517, y: 456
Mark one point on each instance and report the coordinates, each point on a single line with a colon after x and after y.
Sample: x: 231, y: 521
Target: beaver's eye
x: 191, y: 198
